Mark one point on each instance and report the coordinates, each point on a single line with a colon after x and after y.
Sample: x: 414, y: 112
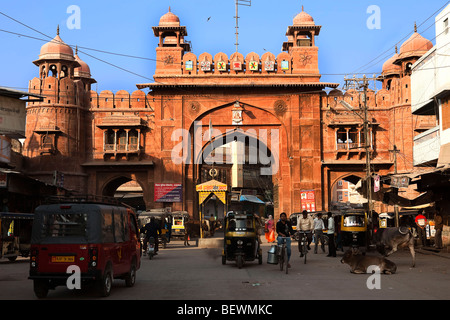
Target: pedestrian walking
x: 421, y: 222
x: 318, y: 232
x: 269, y: 229
x: 187, y: 232
x: 438, y: 226
x: 330, y: 233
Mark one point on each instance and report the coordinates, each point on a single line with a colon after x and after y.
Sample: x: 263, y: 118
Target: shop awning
x: 251, y: 198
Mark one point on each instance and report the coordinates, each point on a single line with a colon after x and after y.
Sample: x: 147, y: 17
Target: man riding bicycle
x: 284, y: 230
x: 305, y: 224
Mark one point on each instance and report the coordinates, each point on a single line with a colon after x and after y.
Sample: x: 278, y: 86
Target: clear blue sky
x: 345, y: 43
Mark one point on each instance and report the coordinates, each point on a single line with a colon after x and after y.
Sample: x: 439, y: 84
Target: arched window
x: 134, y: 141
x: 408, y: 68
x: 109, y: 140
x: 341, y: 139
x: 388, y: 84
x: 53, y: 70
x: 122, y: 139
x: 64, y: 72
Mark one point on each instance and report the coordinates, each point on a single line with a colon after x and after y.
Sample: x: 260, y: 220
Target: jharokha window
x: 351, y: 138
x: 121, y: 140
x: 47, y: 143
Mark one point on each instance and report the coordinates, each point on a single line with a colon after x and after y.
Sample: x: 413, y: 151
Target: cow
x: 359, y: 263
x: 388, y: 240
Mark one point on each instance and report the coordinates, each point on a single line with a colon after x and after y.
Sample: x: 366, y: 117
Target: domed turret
x: 415, y: 46
x: 169, y: 20
x: 56, y: 49
x: 83, y: 71
x: 303, y: 19
x: 389, y: 67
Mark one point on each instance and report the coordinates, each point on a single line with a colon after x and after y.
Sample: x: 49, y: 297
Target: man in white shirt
x: 318, y: 232
x: 305, y: 223
x: 330, y: 234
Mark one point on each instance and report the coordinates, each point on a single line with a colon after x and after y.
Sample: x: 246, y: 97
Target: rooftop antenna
x: 247, y: 3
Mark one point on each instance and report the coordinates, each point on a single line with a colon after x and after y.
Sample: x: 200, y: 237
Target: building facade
x: 291, y: 131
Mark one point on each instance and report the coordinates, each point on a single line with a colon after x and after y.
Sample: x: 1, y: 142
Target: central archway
x: 126, y: 189
x: 247, y: 156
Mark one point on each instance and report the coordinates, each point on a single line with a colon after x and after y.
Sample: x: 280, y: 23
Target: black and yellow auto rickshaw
x: 15, y: 235
x: 353, y: 229
x: 241, y: 240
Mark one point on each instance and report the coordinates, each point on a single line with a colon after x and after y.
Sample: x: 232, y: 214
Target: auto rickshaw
x: 15, y: 234
x: 354, y: 229
x: 179, y: 219
x: 163, y: 218
x: 241, y: 241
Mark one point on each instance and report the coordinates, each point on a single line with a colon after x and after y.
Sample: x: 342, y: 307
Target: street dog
x: 359, y: 263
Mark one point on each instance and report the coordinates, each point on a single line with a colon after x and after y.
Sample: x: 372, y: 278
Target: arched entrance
x: 344, y: 193
x: 246, y: 158
x: 126, y: 190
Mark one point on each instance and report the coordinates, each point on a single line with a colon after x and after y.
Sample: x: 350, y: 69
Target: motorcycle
x: 151, y: 248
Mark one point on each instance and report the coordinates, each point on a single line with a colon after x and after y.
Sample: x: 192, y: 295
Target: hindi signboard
x: 308, y: 200
x: 168, y: 192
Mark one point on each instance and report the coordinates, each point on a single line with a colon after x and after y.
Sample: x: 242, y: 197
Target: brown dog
x: 359, y: 263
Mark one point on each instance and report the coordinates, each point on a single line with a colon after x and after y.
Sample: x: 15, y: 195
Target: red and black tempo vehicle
x: 102, y: 240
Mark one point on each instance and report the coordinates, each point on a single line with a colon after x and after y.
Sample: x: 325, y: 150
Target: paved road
x: 180, y: 273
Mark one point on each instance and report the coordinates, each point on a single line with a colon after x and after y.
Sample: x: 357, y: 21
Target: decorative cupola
x: 172, y: 45
x: 301, y: 45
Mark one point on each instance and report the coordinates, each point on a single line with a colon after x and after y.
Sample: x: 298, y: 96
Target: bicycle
x: 303, y: 244
x: 282, y: 255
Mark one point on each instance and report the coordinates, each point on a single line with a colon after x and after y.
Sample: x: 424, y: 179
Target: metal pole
x: 367, y: 147
x: 237, y: 26
x: 395, y: 172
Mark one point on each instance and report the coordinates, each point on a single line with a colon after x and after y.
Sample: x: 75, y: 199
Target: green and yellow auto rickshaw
x: 241, y: 240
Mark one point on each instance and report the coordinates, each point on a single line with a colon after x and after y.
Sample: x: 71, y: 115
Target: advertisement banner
x: 308, y: 200
x: 168, y: 192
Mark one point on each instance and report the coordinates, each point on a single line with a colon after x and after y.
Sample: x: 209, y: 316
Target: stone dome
x: 303, y: 19
x: 83, y: 70
x: 389, y: 67
x: 56, y: 48
x: 169, y: 20
x: 415, y: 44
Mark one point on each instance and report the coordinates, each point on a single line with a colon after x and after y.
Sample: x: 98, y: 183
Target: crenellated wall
x: 298, y: 61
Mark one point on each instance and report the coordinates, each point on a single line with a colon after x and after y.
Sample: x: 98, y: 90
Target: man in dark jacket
x: 438, y: 226
x: 284, y: 230
x: 151, y: 229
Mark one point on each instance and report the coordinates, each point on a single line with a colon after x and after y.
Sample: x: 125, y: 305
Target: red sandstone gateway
x: 100, y: 239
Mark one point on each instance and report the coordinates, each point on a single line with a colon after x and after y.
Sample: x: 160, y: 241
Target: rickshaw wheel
x: 40, y: 288
x: 224, y: 260
x: 260, y: 258
x: 239, y: 261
